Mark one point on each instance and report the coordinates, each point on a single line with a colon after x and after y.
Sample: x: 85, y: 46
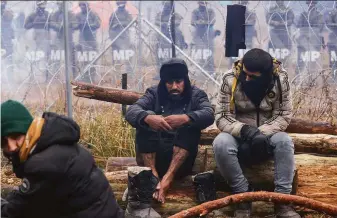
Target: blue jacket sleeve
x: 203, y: 117
x: 137, y: 112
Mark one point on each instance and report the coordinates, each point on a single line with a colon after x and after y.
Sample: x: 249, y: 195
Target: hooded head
x: 202, y: 5
x: 60, y: 5
x: 280, y: 3
x: 174, y: 81
x: 84, y: 6
x: 121, y: 5
x: 3, y: 5
x: 257, y: 74
x: 41, y: 7
x: 311, y: 4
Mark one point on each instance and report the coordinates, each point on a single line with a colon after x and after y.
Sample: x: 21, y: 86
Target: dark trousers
x: 162, y: 144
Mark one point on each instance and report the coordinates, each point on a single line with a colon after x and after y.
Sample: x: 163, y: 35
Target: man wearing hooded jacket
x: 253, y: 110
x: 60, y: 178
x: 169, y: 119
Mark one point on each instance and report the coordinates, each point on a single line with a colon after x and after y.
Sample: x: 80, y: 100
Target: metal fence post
x: 68, y: 66
x: 124, y: 86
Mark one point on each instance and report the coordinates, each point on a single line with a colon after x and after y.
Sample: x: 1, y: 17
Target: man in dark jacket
x: 169, y: 119
x: 60, y: 178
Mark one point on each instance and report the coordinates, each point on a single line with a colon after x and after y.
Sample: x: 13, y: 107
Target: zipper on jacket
x: 258, y: 116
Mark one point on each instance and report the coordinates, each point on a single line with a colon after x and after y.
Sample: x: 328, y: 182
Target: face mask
x: 255, y: 89
x: 18, y: 167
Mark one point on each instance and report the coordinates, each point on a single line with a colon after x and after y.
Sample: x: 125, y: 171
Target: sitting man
x: 253, y: 109
x: 60, y: 178
x: 169, y: 119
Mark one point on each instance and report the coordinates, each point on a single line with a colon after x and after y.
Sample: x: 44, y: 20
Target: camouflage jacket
x: 275, y: 110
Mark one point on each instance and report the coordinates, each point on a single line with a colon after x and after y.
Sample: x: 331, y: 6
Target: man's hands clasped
x: 259, y: 142
x: 160, y: 123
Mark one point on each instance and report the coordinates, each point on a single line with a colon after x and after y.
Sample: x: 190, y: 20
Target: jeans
x: 226, y: 150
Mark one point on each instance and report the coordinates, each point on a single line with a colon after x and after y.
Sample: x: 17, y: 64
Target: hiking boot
x: 141, y: 186
x: 204, y: 185
x: 285, y: 211
x: 243, y: 210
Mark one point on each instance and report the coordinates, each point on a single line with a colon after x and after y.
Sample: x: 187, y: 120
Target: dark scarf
x: 256, y: 89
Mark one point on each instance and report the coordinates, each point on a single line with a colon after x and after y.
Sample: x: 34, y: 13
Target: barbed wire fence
x: 303, y: 36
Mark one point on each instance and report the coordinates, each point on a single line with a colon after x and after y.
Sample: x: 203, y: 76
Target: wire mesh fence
x: 111, y: 38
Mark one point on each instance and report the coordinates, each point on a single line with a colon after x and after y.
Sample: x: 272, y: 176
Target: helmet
x: 121, y: 3
x: 202, y: 3
x: 41, y: 4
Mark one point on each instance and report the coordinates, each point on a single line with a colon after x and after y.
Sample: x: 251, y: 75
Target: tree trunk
x: 125, y: 97
x: 307, y: 143
x: 316, y: 179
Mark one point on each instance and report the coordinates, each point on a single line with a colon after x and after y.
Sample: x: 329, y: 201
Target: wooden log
x: 317, y: 179
x: 118, y: 96
x: 126, y: 97
x: 307, y: 143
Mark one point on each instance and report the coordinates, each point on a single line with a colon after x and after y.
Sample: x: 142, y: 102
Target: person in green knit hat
x: 59, y: 177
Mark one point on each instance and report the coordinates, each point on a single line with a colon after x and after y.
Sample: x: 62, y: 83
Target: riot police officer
x: 38, y: 21
x: 88, y: 24
x: 280, y: 18
x: 117, y: 22
x: 56, y: 24
x: 7, y: 35
x: 203, y: 20
x: 7, y: 32
x: 332, y: 43
x: 163, y: 22
x: 310, y: 24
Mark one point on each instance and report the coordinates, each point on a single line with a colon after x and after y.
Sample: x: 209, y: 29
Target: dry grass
x: 103, y: 128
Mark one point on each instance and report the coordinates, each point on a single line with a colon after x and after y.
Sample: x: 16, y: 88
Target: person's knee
x: 224, y: 144
x: 282, y: 142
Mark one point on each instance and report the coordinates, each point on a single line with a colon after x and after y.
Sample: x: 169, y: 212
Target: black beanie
x: 174, y: 68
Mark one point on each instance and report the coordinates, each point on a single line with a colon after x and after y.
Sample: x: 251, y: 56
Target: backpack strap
x: 237, y: 72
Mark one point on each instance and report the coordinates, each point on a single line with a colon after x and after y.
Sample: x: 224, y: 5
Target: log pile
x: 316, y: 178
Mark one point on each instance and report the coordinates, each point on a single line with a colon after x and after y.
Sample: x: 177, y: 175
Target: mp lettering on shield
x: 279, y: 53
x: 122, y: 55
x: 201, y: 54
x: 310, y: 56
x: 58, y: 55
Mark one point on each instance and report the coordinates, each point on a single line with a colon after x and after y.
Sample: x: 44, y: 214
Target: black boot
x: 204, y: 185
x: 141, y: 186
x: 243, y: 210
x: 285, y: 211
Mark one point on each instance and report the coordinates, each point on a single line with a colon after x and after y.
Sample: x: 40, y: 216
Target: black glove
x: 255, y: 143
x: 248, y: 133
